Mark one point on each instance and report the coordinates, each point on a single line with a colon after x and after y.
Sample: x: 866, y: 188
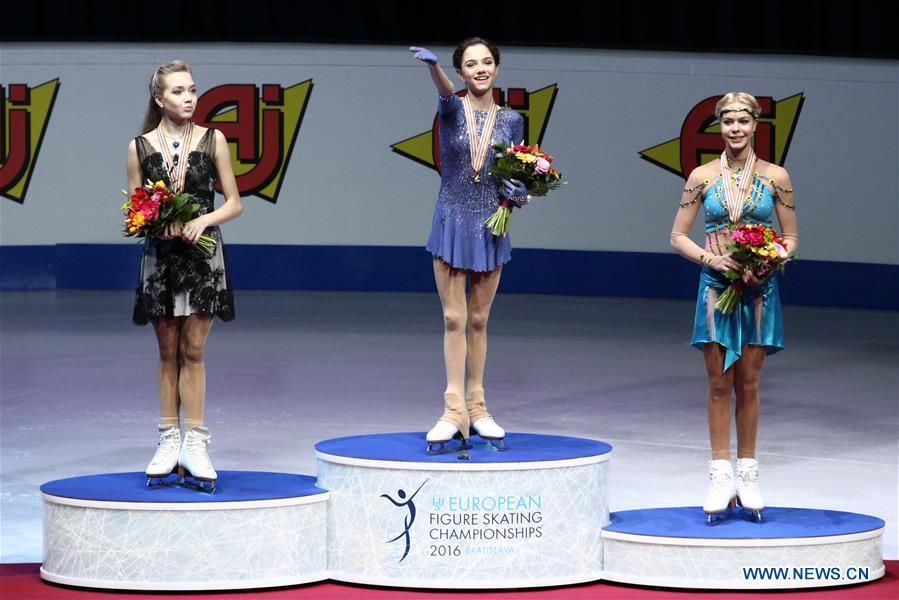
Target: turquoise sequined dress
x: 757, y: 320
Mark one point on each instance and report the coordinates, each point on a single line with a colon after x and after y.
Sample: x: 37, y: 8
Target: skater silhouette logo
x: 403, y: 502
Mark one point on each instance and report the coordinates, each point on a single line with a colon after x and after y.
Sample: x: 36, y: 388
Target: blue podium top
x: 412, y: 447
x: 776, y: 523
x: 232, y: 486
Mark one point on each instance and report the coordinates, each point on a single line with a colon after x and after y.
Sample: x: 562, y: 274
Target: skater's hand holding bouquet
x: 761, y: 254
x: 154, y: 210
x: 524, y: 171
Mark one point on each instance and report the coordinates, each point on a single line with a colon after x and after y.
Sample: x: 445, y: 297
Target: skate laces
x: 720, y: 477
x: 748, y: 470
x: 168, y: 436
x: 196, y: 446
x: 168, y: 445
x: 748, y: 475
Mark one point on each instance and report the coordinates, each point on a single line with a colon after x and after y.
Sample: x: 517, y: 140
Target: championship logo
x: 535, y: 107
x: 700, y: 139
x: 261, y: 130
x: 402, y: 502
x: 23, y: 122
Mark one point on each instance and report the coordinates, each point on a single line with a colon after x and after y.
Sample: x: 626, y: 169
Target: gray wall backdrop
x: 344, y: 186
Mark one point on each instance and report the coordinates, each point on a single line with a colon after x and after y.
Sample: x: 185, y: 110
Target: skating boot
x: 445, y: 430
x: 722, y: 491
x: 166, y: 457
x: 748, y: 493
x: 488, y: 430
x: 194, y: 465
x: 482, y: 423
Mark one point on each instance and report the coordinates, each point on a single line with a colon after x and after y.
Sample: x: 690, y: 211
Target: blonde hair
x: 730, y: 103
x: 154, y: 113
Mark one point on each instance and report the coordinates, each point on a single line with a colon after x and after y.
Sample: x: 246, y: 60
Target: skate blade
x: 713, y: 519
x: 448, y: 447
x: 492, y: 444
x: 201, y: 485
x: 754, y: 515
x: 161, y: 481
x: 206, y: 486
x: 749, y: 514
x: 717, y: 518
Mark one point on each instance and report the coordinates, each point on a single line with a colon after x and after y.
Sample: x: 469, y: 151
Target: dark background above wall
x: 825, y: 27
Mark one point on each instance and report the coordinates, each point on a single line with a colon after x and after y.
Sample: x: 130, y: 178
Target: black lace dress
x: 176, y: 279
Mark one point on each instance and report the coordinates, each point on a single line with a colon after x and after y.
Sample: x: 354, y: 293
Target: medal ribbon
x: 736, y: 195
x: 478, y: 145
x: 176, y: 167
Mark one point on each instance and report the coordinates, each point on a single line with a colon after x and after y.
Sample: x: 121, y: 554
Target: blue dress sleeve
x: 517, y: 127
x: 448, y: 106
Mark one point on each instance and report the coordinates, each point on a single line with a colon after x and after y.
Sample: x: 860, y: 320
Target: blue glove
x: 424, y: 55
x: 515, y: 192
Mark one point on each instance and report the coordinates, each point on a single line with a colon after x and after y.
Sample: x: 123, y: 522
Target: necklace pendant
x: 175, y: 143
x: 476, y: 178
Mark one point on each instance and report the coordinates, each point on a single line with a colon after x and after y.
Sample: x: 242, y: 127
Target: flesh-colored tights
x: 465, y: 338
x: 181, y: 376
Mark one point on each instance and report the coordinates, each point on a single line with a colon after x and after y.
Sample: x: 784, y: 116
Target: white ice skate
x: 441, y: 434
x: 748, y: 493
x: 165, y: 460
x: 722, y: 491
x: 488, y: 430
x: 194, y: 465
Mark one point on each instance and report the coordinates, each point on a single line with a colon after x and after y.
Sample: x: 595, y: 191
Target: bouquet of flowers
x: 151, y: 208
x: 529, y: 165
x: 761, y: 252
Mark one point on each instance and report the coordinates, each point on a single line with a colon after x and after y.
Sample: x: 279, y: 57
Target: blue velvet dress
x: 458, y: 235
x: 757, y: 320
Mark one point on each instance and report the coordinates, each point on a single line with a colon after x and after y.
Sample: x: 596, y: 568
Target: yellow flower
x: 525, y: 158
x: 138, y: 219
x: 160, y: 185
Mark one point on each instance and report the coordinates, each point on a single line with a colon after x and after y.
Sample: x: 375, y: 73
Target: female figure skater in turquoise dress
x: 735, y: 346
x: 462, y: 247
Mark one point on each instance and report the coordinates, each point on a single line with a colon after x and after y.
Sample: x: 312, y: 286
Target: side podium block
x: 789, y: 548
x: 112, y: 532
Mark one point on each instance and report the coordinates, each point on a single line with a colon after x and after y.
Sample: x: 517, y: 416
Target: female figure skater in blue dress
x: 180, y: 289
x: 463, y: 249
x: 735, y: 189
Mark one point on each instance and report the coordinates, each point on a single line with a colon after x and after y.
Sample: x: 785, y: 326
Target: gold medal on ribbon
x: 478, y: 144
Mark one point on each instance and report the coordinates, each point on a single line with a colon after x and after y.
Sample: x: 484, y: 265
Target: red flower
x: 139, y: 198
x: 755, y: 237
x: 150, y: 209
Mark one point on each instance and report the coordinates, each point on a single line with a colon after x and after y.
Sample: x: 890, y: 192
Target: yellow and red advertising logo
x: 261, y: 130
x: 535, y: 107
x: 700, y: 138
x: 24, y: 114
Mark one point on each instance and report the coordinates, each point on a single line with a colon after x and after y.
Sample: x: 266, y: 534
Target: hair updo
x: 154, y: 112
x: 730, y: 101
x: 474, y: 41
